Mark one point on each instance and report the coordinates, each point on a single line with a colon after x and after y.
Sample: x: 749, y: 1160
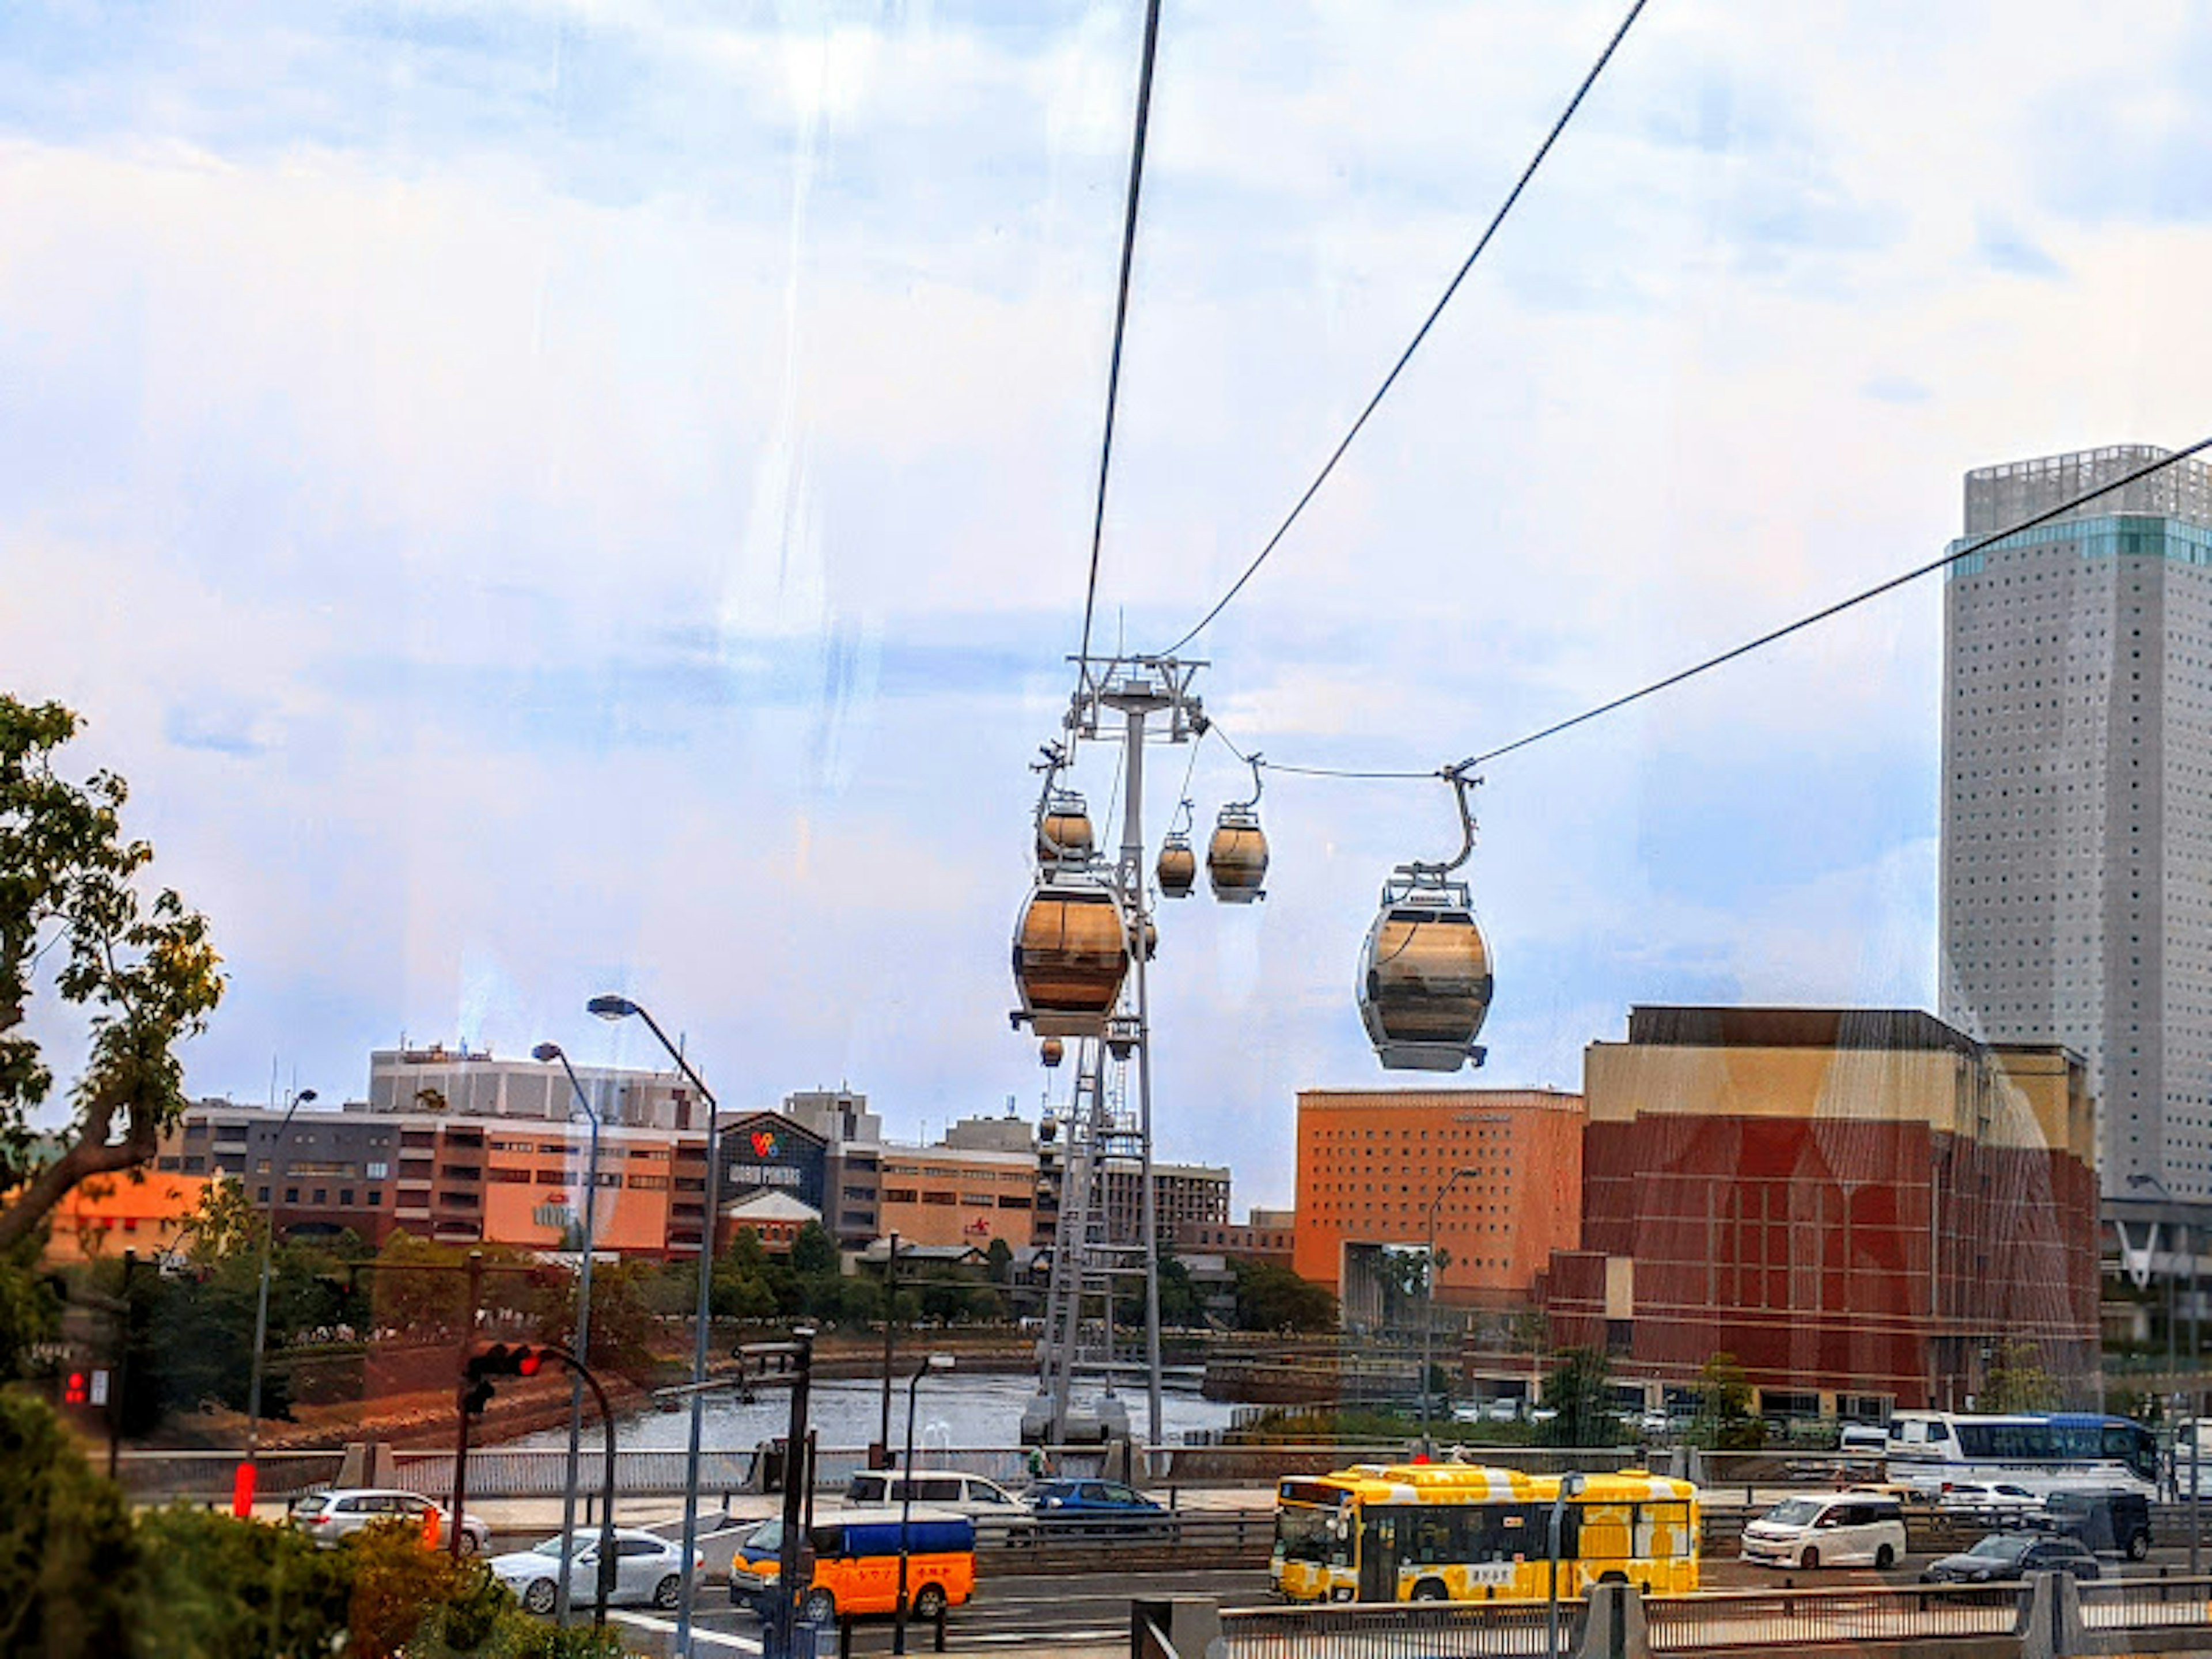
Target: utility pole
x: 474, y: 1295
x: 883, y: 1449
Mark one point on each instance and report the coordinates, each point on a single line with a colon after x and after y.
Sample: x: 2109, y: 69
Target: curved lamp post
x: 1429, y: 1305
x: 936, y: 1362
x: 610, y: 1008
x: 548, y: 1052
x: 300, y: 1097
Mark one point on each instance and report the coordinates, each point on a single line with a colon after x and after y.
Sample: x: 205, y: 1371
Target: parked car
x: 1993, y: 1502
x: 1842, y: 1529
x: 2008, y: 1555
x: 331, y: 1517
x: 1503, y: 1409
x: 962, y: 1494
x: 1865, y: 1439
x: 2114, y: 1521
x: 648, y: 1568
x: 1099, y: 1508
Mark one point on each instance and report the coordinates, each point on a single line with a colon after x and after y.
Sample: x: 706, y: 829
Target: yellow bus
x: 1437, y: 1532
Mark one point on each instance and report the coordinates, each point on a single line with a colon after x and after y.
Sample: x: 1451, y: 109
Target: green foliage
x: 30, y: 1312
x: 69, y: 1575
x: 1724, y: 1420
x: 2017, y: 1381
x: 813, y: 1252
x: 999, y: 1259
x: 139, y: 970
x: 1270, y: 1297
x: 1579, y: 1389
x: 231, y: 1589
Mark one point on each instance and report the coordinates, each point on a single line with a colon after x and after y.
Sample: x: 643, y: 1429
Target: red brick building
x: 1859, y: 1205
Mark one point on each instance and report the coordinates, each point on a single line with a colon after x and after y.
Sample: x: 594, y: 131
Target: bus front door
x: 1378, y: 1557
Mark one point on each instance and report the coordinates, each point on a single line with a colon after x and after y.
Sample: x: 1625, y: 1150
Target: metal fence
x: 1410, y: 1631
x: 2146, y: 1603
x: 1765, y: 1620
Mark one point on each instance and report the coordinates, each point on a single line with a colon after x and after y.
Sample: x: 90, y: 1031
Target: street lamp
x: 1571, y: 1486
x: 613, y: 1008
x: 300, y: 1097
x: 936, y: 1362
x: 890, y: 1308
x: 1429, y: 1303
x: 546, y: 1052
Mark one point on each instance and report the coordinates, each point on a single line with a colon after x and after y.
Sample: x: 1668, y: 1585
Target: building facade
x: 955, y: 1195
x: 1861, y: 1205
x: 2076, y: 884
x: 1268, y: 1235
x: 437, y: 1081
x: 1184, y: 1196
x: 1371, y: 1161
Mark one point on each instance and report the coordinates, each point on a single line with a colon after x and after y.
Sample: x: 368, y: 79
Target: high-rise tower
x: 2077, y: 795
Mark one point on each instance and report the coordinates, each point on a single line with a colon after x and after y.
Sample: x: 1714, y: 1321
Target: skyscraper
x: 2076, y: 895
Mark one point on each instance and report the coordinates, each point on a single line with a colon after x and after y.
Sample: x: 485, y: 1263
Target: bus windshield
x: 1311, y: 1534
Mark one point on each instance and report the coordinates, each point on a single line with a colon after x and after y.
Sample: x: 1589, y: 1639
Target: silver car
x: 647, y: 1569
x: 331, y: 1517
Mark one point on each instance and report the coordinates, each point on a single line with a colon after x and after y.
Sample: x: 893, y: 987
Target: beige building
x: 957, y: 1195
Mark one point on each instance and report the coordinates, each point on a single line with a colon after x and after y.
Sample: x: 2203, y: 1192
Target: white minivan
x: 1833, y: 1530
x: 941, y: 1489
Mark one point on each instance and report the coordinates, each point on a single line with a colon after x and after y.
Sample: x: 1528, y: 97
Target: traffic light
x: 77, y: 1389
x: 501, y: 1359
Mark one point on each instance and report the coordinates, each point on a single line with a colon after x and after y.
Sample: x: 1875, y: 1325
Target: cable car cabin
x: 1071, y: 951
x: 1237, y: 858
x: 1178, y: 870
x: 1152, y: 936
x: 1064, y: 830
x: 1426, y: 981
x: 1051, y: 1052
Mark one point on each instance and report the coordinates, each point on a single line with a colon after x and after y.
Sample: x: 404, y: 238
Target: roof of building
x: 1889, y: 1028
x: 770, y: 1204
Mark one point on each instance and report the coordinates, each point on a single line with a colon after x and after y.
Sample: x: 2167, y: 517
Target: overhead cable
x: 1121, y: 305
x: 1420, y: 334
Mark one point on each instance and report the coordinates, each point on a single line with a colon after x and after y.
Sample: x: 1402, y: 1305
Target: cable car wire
x: 1122, y: 304
x: 1406, y: 357
x: 1214, y: 730
x: 1775, y: 636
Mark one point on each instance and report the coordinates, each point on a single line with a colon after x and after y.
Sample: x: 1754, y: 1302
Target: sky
x: 559, y: 496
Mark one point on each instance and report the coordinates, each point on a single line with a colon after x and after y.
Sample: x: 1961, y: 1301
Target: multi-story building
x: 947, y: 1195
x: 1371, y: 1162
x: 2076, y: 897
x: 1184, y: 1195
x: 1862, y: 1205
x: 1269, y: 1235
x: 109, y: 1214
x: 435, y: 1081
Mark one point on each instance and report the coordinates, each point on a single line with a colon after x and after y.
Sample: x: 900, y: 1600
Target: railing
x: 196, y: 1477
x: 2146, y: 1603
x: 1765, y: 1620
x: 1412, y: 1631
x: 1193, y: 1538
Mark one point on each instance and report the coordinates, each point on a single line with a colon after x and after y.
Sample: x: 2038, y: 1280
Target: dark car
x: 2114, y: 1523
x: 1104, y: 1508
x: 2010, y: 1555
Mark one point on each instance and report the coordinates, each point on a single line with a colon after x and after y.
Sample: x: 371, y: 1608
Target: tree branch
x: 91, y: 1154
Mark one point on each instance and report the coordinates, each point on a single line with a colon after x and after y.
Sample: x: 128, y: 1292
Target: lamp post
x: 2173, y: 1363
x: 1429, y: 1304
x: 545, y: 1052
x: 936, y: 1362
x: 890, y: 1310
x: 1570, y: 1486
x: 613, y: 1008
x: 300, y: 1097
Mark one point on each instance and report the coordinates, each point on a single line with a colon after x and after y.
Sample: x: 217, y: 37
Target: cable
x: 1421, y: 334
x: 1836, y: 608
x: 1214, y: 730
x: 1121, y: 305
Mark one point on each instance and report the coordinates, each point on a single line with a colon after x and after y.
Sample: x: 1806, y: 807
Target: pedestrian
x: 1037, y: 1463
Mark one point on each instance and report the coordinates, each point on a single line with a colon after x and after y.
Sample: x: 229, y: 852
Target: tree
x: 1000, y: 1258
x: 229, y: 1589
x: 813, y: 1252
x: 1270, y: 1297
x: 1724, y: 1422
x: 142, y: 969
x: 68, y: 1571
x: 1580, y: 1389
x: 2017, y: 1382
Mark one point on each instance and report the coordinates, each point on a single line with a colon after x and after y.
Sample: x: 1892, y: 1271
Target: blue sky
x: 549, y: 496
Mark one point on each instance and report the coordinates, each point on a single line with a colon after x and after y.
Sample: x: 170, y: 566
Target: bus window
x: 1433, y: 1537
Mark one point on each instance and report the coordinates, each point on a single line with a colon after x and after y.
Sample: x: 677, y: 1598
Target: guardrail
x: 1198, y: 1539
x: 2147, y: 1603
x: 1407, y: 1631
x: 1769, y: 1620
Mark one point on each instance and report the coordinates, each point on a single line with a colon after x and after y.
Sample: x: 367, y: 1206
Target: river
x: 956, y: 1412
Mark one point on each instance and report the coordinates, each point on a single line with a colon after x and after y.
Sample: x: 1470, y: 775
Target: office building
x: 1371, y: 1161
x: 436, y: 1080
x: 2076, y: 900
x: 1862, y: 1205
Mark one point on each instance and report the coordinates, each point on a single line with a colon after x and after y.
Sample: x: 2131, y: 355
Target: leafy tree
x: 29, y: 1311
x: 141, y: 969
x: 68, y: 1570
x: 1000, y: 1260
x: 228, y: 1589
x: 2017, y: 1381
x: 1579, y: 1388
x: 813, y: 1251
x: 1271, y: 1297
x: 1724, y: 1421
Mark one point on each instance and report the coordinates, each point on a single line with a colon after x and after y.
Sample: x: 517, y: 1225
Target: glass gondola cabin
x: 1438, y: 1532
x: 1237, y: 857
x: 1177, y: 870
x: 1071, y: 951
x: 1424, y: 979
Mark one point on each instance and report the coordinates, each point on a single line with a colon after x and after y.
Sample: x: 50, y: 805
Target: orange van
x: 856, y: 1564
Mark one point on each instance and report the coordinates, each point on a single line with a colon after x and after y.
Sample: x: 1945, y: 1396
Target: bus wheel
x: 1430, y: 1589
x: 820, y: 1607
x: 929, y: 1601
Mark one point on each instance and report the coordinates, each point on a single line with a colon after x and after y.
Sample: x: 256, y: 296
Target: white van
x: 1868, y: 1437
x: 1835, y: 1529
x: 941, y: 1489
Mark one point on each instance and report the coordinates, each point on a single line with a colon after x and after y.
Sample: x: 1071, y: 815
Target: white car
x: 1835, y: 1529
x: 648, y: 1569
x: 1995, y: 1502
x: 970, y: 1495
x: 1504, y: 1409
x: 331, y: 1517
